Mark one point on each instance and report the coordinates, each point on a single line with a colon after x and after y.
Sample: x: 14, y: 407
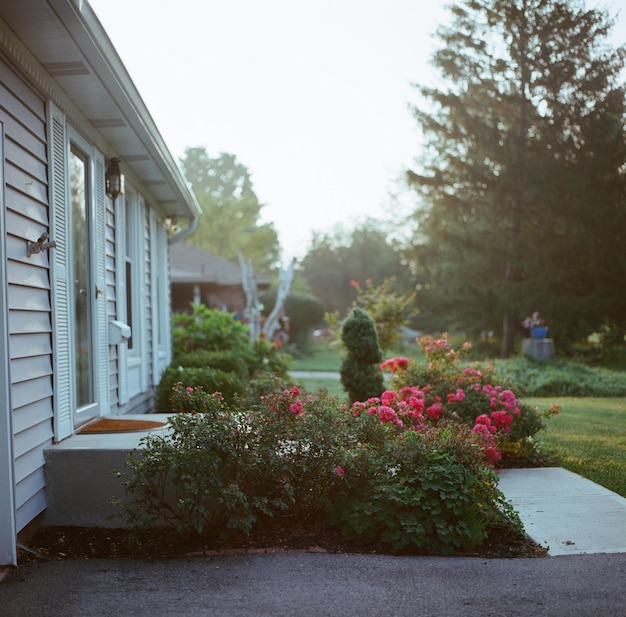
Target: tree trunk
x: 272, y: 323
x: 508, y: 336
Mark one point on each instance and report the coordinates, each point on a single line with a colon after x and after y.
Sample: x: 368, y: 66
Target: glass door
x: 84, y: 287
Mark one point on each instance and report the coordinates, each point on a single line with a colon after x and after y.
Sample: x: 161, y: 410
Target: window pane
x: 82, y: 284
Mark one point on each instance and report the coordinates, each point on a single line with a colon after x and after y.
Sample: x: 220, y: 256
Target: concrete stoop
x: 81, y: 479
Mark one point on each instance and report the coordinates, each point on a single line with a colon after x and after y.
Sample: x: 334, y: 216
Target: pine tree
x: 521, y: 182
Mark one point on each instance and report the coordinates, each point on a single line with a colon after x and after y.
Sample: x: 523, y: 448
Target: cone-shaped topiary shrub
x: 360, y: 372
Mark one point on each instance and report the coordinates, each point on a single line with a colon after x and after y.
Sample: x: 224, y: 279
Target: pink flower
x: 388, y: 397
x: 296, y: 408
x: 189, y: 389
x: 502, y: 419
x: 395, y: 364
x: 434, y: 411
x: 417, y: 403
x: 386, y: 414
x: 340, y: 471
x: 459, y: 395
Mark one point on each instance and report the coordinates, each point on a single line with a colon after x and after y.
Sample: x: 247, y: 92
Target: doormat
x: 119, y: 425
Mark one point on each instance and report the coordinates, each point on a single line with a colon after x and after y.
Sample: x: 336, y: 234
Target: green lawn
x: 588, y: 437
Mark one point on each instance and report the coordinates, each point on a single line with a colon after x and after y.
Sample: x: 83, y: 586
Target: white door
x: 83, y: 289
x: 79, y: 320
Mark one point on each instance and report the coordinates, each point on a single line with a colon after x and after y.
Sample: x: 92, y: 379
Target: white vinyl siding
x: 26, y: 313
x: 8, y: 550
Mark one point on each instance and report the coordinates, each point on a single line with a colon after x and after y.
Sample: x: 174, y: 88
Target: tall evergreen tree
x: 229, y: 224
x: 521, y: 182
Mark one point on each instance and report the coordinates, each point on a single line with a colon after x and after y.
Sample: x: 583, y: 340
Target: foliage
x: 305, y: 313
x: 212, y: 349
x: 426, y: 491
x: 222, y: 466
x: 213, y: 330
x: 227, y: 384
x: 195, y: 477
x: 208, y: 330
x: 474, y: 395
x: 389, y: 309
x: 559, y: 377
x: 300, y: 440
x: 584, y: 439
x: 360, y: 374
x: 523, y: 167
x: 231, y: 210
x: 364, y: 253
x: 227, y: 361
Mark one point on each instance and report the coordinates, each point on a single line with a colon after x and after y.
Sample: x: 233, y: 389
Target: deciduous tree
x: 230, y: 222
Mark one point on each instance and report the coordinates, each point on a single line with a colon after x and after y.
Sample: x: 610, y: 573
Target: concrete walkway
x: 566, y: 513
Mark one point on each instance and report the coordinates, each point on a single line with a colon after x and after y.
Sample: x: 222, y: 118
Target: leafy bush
x: 224, y: 465
x: 300, y: 439
x: 209, y: 330
x: 305, y: 312
x: 360, y: 374
x: 226, y: 361
x: 426, y: 491
x: 213, y: 350
x: 475, y: 395
x: 196, y: 476
x: 561, y: 378
x: 228, y: 385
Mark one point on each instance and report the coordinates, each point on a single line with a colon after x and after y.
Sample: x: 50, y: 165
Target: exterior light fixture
x: 114, y: 179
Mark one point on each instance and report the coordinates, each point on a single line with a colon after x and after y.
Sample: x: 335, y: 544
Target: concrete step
x: 80, y: 478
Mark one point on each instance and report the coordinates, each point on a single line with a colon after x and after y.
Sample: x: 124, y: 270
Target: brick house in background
x: 202, y: 278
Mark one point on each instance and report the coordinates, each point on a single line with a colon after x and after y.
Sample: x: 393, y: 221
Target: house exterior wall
x: 34, y: 312
x: 26, y: 212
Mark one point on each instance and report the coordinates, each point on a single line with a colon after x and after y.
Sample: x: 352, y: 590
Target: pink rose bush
x: 441, y: 389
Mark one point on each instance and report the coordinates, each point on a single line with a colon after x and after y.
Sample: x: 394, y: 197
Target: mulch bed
x: 59, y: 543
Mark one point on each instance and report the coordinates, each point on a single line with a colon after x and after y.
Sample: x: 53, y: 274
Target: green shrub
x: 226, y: 361
x: 305, y: 313
x: 425, y: 492
x: 209, y: 330
x: 300, y: 439
x: 229, y: 385
x: 195, y: 478
x: 475, y: 395
x: 222, y: 465
x: 360, y: 374
x: 373, y: 469
x: 561, y: 378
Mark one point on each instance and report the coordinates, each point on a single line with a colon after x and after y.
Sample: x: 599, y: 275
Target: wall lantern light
x: 114, y: 179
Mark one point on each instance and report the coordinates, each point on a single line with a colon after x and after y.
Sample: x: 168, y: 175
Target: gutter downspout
x: 185, y: 233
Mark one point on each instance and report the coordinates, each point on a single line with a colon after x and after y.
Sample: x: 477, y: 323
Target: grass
x: 588, y: 438
x: 323, y: 358
x: 332, y: 386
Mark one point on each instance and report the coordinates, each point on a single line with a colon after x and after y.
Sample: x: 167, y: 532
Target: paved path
x: 565, y: 512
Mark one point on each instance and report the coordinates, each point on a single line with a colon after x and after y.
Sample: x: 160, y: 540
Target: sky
x: 313, y: 97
